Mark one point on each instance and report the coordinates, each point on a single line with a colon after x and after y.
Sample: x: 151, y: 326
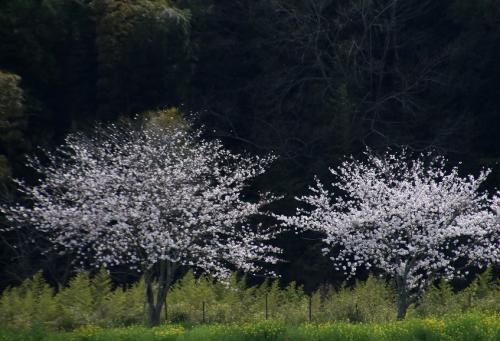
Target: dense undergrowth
x: 94, y: 301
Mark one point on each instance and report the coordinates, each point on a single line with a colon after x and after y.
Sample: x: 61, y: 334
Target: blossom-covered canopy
x: 409, y: 217
x: 134, y: 196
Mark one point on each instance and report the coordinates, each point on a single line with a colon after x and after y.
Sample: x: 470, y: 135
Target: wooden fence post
x: 203, y: 307
x: 267, y: 313
x: 310, y: 308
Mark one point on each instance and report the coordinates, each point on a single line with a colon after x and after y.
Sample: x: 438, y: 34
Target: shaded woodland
x: 309, y: 80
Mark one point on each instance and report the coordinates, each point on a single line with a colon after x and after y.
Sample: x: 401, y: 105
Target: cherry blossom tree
x: 406, y: 216
x: 152, y: 198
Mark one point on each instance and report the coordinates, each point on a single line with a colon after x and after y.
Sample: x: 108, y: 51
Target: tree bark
x: 402, y: 304
x: 403, y: 299
x: 165, y: 278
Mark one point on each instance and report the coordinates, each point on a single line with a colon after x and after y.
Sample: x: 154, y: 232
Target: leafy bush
x: 126, y: 306
x: 84, y: 301
x: 482, y: 295
x: 369, y: 301
x: 30, y: 304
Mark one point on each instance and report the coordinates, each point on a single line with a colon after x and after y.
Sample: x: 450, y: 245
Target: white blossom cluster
x: 137, y: 196
x: 410, y: 219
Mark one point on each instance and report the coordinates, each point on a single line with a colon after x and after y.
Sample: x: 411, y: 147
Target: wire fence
x: 307, y: 308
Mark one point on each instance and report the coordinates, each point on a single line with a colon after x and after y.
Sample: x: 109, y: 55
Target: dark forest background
x: 310, y: 80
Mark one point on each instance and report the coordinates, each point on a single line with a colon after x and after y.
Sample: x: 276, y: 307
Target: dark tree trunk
x: 403, y: 297
x: 402, y: 305
x: 165, y: 277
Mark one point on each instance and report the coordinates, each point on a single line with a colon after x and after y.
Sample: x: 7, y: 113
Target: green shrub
x: 235, y: 302
x: 75, y: 303
x: 369, y: 301
x: 126, y: 306
x: 482, y: 295
x: 185, y: 299
x: 30, y: 304
x: 93, y: 301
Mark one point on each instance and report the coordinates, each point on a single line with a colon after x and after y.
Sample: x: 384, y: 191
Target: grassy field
x: 470, y: 327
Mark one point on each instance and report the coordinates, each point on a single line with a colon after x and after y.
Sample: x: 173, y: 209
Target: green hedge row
x: 94, y: 301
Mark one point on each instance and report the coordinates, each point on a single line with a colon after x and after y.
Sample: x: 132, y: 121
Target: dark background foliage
x: 310, y: 80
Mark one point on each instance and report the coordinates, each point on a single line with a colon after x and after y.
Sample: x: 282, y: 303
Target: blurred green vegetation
x: 468, y: 327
